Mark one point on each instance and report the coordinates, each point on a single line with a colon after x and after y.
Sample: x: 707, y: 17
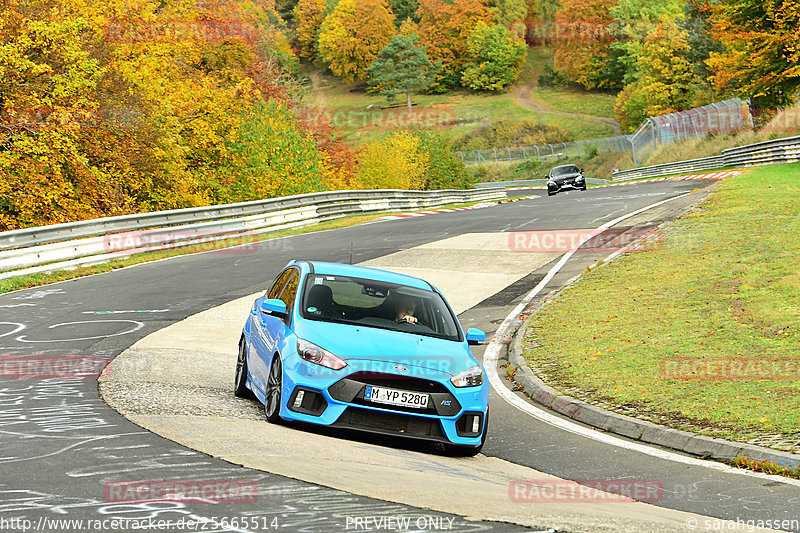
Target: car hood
x: 351, y: 342
x: 563, y: 177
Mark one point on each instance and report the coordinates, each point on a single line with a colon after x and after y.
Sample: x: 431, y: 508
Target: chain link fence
x: 724, y: 117
x: 720, y: 117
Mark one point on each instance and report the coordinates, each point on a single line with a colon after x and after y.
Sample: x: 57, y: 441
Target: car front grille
x: 398, y: 381
x: 351, y: 390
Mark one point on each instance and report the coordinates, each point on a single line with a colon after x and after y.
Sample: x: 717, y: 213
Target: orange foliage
x: 444, y: 29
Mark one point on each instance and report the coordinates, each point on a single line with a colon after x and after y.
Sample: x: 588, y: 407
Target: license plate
x: 416, y: 400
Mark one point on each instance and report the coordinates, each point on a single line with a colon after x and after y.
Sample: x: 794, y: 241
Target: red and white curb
x: 708, y: 176
x: 451, y: 210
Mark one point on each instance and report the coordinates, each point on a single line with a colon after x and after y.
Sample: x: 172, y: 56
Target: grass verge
x: 698, y: 330
x: 44, y: 278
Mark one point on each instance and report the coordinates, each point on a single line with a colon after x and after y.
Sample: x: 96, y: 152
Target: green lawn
x: 575, y: 100
x: 363, y: 117
x: 567, y: 98
x: 701, y: 329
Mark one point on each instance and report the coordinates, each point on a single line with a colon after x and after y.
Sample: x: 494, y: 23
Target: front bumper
x: 336, y: 399
x: 566, y: 185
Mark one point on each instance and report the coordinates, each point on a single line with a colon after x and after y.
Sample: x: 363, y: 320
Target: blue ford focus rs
x: 359, y: 348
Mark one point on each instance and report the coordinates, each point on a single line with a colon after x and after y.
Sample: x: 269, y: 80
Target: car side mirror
x: 475, y: 336
x: 274, y: 307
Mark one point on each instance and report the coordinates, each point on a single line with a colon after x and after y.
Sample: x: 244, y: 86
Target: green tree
x: 493, y: 58
x: 402, y: 67
x: 762, y: 49
x: 403, y: 10
x: 445, y: 169
x: 271, y: 156
x: 353, y: 35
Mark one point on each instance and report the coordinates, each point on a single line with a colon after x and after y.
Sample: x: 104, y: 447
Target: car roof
x: 339, y: 269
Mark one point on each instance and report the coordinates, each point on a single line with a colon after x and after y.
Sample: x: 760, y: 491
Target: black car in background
x: 565, y: 178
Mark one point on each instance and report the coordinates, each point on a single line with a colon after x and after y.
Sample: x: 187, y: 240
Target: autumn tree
x: 125, y: 106
x: 396, y: 162
x: 581, y: 46
x: 540, y: 21
x: 666, y: 81
x: 493, y: 58
x: 636, y: 21
x: 308, y: 17
x: 762, y: 49
x: 402, y: 67
x: 510, y: 13
x: 444, y: 29
x: 353, y: 35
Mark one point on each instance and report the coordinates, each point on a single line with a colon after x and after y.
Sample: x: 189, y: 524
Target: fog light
x: 298, y: 400
x: 476, y: 423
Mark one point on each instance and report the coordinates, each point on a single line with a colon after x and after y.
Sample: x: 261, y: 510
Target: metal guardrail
x: 73, y: 244
x: 778, y: 151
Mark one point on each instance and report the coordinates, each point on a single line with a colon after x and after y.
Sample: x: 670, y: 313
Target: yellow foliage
x: 397, y: 162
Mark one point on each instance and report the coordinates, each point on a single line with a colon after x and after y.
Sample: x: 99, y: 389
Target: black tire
x: 583, y: 188
x: 272, y: 397
x: 470, y: 451
x: 550, y: 193
x: 240, y: 389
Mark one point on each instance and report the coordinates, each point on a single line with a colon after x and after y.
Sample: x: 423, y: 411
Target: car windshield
x: 377, y: 304
x: 564, y: 170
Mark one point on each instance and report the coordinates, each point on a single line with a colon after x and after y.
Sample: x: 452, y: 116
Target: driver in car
x: 404, y: 309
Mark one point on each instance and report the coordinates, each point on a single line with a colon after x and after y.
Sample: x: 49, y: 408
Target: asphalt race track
x: 62, y: 448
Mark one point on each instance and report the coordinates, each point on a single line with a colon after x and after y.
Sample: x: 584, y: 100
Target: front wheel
x: 272, y: 400
x: 240, y: 389
x: 550, y: 193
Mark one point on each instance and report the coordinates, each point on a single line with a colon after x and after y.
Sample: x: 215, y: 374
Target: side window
x: 290, y: 291
x: 278, y: 284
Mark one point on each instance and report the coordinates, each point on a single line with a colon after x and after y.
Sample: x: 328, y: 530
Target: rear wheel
x: 240, y: 389
x: 272, y: 400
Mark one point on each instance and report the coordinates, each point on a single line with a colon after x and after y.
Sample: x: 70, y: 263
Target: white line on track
x: 491, y: 356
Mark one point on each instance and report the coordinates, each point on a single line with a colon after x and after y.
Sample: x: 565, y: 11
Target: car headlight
x: 319, y: 356
x: 468, y: 378
x: 579, y: 178
x: 551, y: 183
